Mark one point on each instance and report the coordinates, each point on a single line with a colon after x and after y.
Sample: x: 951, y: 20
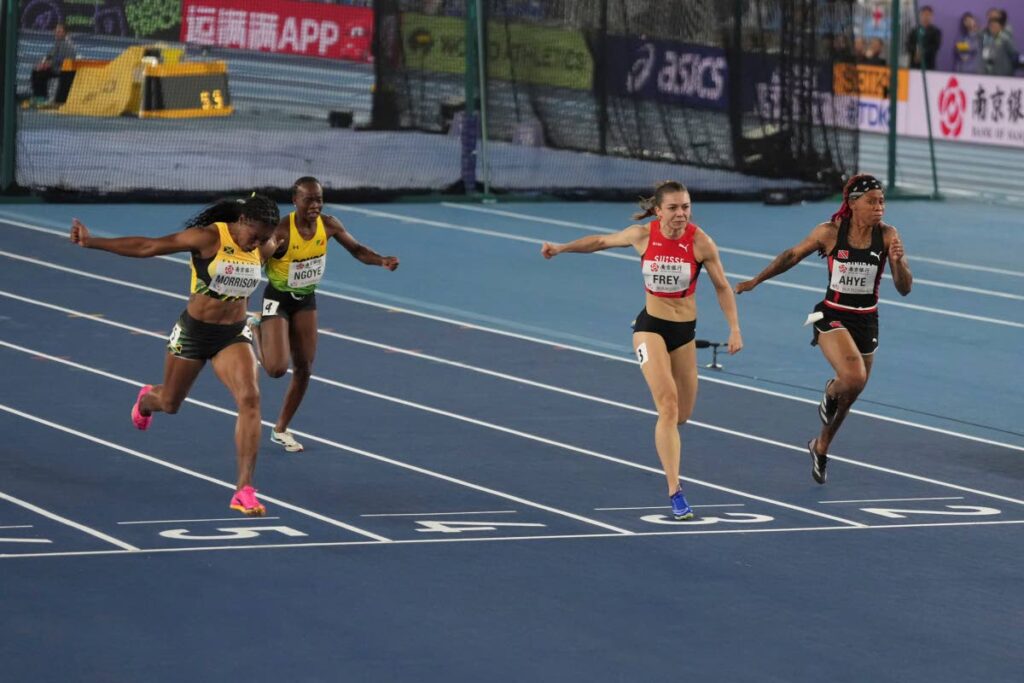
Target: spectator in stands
x: 999, y: 55
x: 875, y: 53
x: 842, y: 51
x: 50, y: 65
x: 967, y: 48
x: 924, y: 40
x: 996, y: 13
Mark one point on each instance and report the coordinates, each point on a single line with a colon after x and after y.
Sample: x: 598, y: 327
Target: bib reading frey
x: 235, y: 279
x: 853, y: 277
x: 307, y: 272
x: 666, y: 277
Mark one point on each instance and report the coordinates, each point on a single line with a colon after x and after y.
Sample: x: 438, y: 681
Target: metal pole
x: 8, y: 143
x: 482, y: 69
x: 928, y: 112
x: 894, y: 83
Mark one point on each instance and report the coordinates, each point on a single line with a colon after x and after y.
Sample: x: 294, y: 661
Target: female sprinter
x: 673, y: 250
x: 295, y: 265
x: 856, y: 242
x: 224, y: 242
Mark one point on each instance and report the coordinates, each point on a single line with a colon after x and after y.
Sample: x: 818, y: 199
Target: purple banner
x: 693, y: 75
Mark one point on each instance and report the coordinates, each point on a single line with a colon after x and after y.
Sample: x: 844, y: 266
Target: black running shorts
x: 285, y: 304
x: 863, y: 327
x: 195, y: 340
x: 675, y: 334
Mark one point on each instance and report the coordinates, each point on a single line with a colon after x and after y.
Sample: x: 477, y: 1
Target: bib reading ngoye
x: 853, y: 278
x: 306, y: 272
x: 235, y: 279
x: 665, y: 277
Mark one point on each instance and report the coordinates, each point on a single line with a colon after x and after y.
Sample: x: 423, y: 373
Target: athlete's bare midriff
x: 210, y: 310
x: 679, y: 310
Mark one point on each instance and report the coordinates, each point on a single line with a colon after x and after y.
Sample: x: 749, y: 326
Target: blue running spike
x: 681, y: 510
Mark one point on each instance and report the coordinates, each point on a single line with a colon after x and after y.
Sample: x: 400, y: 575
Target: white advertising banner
x: 963, y: 107
x: 967, y: 108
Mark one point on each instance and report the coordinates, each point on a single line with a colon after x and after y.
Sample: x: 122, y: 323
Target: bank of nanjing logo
x: 952, y: 107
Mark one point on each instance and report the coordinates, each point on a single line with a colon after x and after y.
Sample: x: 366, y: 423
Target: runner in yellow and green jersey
x: 296, y: 260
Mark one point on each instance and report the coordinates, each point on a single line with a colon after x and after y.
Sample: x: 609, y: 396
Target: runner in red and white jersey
x: 673, y: 252
x: 856, y: 243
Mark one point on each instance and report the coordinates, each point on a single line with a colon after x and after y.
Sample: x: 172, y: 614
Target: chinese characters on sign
x: 311, y: 29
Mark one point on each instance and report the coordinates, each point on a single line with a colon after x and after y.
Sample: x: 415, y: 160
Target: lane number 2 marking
x: 961, y: 510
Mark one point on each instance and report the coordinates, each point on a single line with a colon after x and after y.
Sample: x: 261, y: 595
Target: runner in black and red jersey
x: 673, y: 252
x: 856, y: 243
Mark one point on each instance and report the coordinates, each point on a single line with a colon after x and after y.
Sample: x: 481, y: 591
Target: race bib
x: 306, y: 272
x: 235, y: 279
x: 666, y: 278
x: 853, y: 278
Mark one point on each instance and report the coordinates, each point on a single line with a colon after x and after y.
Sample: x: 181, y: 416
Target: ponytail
x: 257, y: 207
x: 649, y: 204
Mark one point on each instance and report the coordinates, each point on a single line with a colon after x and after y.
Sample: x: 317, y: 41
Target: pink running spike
x: 138, y: 419
x: 245, y: 502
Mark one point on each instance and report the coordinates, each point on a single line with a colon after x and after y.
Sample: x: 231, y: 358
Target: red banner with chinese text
x: 298, y: 28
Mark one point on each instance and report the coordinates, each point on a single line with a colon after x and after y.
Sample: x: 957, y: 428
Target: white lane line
x: 626, y: 406
x: 502, y: 539
x: 25, y: 540
x: 735, y: 276
x: 68, y: 522
x: 189, y: 521
x: 756, y: 254
x: 17, y: 526
x: 440, y: 514
x: 887, y: 500
x: 179, y: 468
x: 590, y: 228
x: 544, y: 342
x: 694, y: 506
x: 595, y: 398
x: 548, y: 387
x: 575, y: 449
x: 311, y: 437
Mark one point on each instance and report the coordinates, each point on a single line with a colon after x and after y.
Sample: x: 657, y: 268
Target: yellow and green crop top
x: 231, y: 274
x: 302, y: 267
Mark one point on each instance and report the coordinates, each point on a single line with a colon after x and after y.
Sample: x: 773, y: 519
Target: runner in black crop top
x: 857, y: 244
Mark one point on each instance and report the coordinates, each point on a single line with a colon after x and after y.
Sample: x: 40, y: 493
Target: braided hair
x: 649, y: 204
x: 256, y: 207
x: 855, y: 187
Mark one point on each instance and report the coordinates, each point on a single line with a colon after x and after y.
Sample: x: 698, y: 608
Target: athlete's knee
x: 248, y: 398
x: 276, y: 368
x: 683, y: 416
x: 853, y: 381
x: 302, y: 371
x: 667, y: 405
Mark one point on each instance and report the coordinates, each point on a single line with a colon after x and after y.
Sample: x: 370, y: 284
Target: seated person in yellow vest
x: 224, y: 242
x: 50, y: 65
x: 287, y: 325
